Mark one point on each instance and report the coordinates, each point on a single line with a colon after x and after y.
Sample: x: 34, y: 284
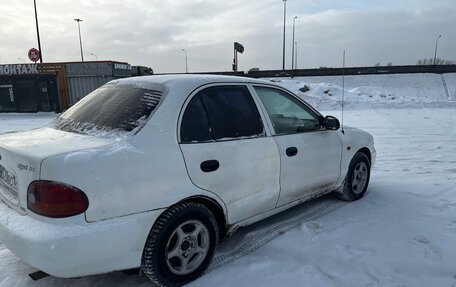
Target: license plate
x: 8, y: 184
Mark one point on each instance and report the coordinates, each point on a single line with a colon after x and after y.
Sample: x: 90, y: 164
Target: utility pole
x: 293, y: 45
x: 284, y: 22
x: 38, y: 33
x: 296, y: 55
x: 80, y: 40
x: 293, y: 48
x: 186, y: 62
x: 435, y: 51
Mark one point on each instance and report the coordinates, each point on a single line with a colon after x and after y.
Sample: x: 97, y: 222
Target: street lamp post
x: 293, y: 45
x: 96, y: 57
x: 186, y: 61
x: 435, y: 51
x: 284, y: 22
x: 80, y: 40
x: 21, y: 60
x: 38, y: 33
x: 296, y: 55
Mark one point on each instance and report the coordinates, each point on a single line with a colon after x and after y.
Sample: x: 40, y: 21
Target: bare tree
x: 438, y: 61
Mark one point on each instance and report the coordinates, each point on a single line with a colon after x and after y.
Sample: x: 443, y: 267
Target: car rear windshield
x: 110, y: 111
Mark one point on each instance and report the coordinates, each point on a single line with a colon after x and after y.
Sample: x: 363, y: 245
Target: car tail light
x: 55, y: 199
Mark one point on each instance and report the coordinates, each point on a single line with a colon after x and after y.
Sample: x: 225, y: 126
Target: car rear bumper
x: 75, y: 249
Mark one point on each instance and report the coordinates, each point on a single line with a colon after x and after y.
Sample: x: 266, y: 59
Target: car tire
x: 180, y: 245
x: 357, y: 178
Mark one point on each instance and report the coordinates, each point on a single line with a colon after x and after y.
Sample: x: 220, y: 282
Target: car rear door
x: 227, y: 151
x: 310, y: 156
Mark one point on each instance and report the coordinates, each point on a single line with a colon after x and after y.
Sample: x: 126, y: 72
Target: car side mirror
x: 332, y: 123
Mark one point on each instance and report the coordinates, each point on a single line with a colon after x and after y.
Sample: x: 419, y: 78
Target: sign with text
x: 120, y: 66
x: 19, y: 69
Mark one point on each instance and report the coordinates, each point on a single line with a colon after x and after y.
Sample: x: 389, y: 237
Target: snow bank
x: 374, y: 91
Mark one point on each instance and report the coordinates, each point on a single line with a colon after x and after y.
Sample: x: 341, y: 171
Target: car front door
x: 227, y: 150
x: 310, y: 155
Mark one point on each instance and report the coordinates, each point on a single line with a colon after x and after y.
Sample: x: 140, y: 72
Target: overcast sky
x: 153, y: 33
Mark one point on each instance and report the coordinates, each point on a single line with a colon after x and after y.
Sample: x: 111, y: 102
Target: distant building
x: 141, y: 71
x: 54, y: 86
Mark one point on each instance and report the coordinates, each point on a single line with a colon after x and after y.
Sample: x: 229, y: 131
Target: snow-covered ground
x: 376, y: 91
x: 402, y: 233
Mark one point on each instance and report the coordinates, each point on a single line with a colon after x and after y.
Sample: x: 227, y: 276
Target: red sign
x: 34, y: 55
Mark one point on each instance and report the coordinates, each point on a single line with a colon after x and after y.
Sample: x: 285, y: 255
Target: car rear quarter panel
x: 140, y: 173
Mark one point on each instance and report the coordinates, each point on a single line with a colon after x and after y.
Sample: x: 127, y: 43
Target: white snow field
x: 402, y: 233
x: 376, y: 91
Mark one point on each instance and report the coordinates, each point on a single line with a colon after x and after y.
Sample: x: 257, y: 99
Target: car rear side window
x: 230, y: 113
x: 195, y: 126
x: 110, y: 110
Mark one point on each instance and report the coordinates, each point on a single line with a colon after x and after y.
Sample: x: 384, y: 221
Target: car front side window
x: 287, y: 115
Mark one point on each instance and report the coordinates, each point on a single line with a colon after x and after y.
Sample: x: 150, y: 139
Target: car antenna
x: 343, y: 91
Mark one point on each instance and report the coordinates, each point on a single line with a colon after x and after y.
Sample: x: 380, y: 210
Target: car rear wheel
x: 357, y: 178
x: 180, y: 245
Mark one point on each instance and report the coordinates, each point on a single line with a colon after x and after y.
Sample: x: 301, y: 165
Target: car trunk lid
x: 21, y: 155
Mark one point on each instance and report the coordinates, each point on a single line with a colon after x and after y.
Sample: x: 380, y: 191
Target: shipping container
x: 54, y: 86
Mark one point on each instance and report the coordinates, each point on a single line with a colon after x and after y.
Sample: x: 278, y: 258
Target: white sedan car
x: 153, y: 172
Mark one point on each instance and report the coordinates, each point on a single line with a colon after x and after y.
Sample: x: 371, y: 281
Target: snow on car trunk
x: 21, y: 155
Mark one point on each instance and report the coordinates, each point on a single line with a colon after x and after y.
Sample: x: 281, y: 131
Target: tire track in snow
x: 252, y: 244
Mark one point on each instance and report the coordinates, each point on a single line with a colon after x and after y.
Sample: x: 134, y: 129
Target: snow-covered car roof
x: 181, y: 81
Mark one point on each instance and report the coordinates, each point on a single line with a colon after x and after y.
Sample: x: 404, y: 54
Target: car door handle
x: 292, y: 151
x: 210, y: 165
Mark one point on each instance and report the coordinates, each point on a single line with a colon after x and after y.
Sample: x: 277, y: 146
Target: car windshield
x: 110, y: 111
